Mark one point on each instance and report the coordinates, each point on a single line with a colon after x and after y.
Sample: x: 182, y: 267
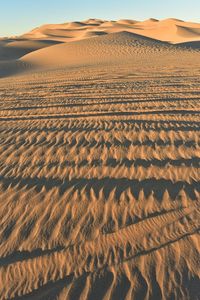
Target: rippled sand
x: 99, y: 172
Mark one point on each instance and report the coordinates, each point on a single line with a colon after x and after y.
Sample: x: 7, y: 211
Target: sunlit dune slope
x: 108, y: 48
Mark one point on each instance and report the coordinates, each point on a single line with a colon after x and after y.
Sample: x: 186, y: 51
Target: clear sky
x: 20, y: 16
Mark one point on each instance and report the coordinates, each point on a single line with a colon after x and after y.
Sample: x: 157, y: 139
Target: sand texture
x: 100, y: 161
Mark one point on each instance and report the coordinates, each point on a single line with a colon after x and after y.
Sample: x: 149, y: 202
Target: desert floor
x: 99, y: 168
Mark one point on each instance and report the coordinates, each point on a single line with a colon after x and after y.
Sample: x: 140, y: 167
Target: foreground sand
x: 99, y: 172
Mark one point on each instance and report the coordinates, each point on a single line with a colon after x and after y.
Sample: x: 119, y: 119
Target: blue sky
x: 19, y: 16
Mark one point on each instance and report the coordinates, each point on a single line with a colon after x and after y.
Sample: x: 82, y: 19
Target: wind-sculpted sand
x: 100, y: 167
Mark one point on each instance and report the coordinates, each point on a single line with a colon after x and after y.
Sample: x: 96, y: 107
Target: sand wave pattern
x: 99, y: 176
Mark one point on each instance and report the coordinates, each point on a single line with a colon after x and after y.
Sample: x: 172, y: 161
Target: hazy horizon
x: 18, y: 18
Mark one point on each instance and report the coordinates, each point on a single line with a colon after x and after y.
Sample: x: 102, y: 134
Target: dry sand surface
x: 100, y: 161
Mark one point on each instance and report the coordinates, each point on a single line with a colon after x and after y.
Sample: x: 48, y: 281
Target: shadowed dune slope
x: 188, y: 32
x: 14, y: 49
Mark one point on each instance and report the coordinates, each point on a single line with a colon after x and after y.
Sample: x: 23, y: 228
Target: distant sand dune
x: 127, y: 22
x: 188, y: 32
x: 75, y: 24
x: 15, y: 49
x: 168, y: 31
x: 112, y: 48
x: 151, y: 28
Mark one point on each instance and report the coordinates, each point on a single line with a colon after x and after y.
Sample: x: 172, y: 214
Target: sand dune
x: 151, y: 28
x: 100, y: 49
x: 170, y: 31
x: 14, y: 49
x: 148, y: 22
x: 126, y: 22
x: 188, y: 32
x: 100, y: 162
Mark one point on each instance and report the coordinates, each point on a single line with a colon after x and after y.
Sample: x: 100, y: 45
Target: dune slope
x: 113, y: 47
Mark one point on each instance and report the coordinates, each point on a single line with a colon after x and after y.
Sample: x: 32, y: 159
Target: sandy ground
x: 100, y: 158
